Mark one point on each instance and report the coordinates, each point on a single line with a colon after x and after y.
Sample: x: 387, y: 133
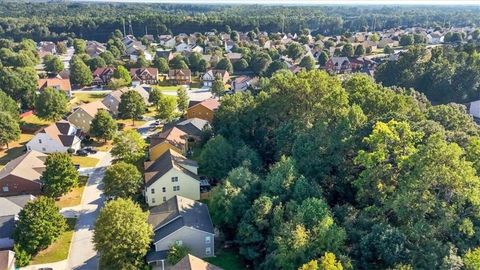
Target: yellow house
x: 172, y: 138
x: 169, y: 175
x: 203, y: 110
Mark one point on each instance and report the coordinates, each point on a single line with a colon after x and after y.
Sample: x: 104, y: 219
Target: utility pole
x: 130, y: 29
x: 124, y: 32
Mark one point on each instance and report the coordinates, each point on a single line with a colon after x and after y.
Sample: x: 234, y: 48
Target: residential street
x: 82, y: 253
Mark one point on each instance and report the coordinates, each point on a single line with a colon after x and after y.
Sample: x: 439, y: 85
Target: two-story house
x: 56, y: 138
x: 180, y: 76
x: 210, y: 76
x: 204, y: 109
x: 144, y: 75
x: 169, y: 175
x: 83, y: 115
x: 59, y: 84
x: 180, y: 221
x: 102, y: 76
x: 170, y: 138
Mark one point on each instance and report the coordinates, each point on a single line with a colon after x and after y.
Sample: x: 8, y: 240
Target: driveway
x: 82, y: 253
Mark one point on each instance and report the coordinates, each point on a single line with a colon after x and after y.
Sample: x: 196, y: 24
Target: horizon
x: 304, y: 3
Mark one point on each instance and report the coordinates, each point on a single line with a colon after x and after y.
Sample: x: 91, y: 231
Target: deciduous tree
x: 60, y: 175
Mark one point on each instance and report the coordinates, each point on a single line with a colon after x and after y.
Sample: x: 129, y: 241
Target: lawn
x: 15, y: 150
x: 32, y: 123
x: 57, y: 251
x: 101, y: 145
x: 128, y: 123
x: 79, y: 98
x: 85, y: 161
x: 227, y: 259
x: 169, y: 88
x: 74, y: 197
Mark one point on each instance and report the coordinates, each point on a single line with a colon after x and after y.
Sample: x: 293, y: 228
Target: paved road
x: 82, y: 254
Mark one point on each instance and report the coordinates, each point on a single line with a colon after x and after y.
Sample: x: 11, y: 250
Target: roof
x: 28, y: 166
x: 173, y: 136
x: 193, y: 126
x: 58, y: 83
x: 178, y: 212
x: 242, y: 79
x: 210, y: 103
x: 7, y: 259
x: 141, y: 71
x: 92, y: 107
x: 61, y: 131
x: 101, y: 71
x: 153, y: 256
x: 11, y: 206
x: 183, y: 72
x: 169, y: 160
x: 191, y: 262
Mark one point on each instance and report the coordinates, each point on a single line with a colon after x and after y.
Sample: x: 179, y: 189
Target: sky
x: 313, y: 2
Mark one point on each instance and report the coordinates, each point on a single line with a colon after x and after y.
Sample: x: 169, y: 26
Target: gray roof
x: 179, y: 212
x: 163, y: 164
x: 192, y: 126
x: 153, y: 256
x: 10, y: 207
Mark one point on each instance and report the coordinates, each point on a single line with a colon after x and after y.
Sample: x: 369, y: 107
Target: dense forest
x: 323, y: 174
x: 444, y: 74
x: 96, y: 21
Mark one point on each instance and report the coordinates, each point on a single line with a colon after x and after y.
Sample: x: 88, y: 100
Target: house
x: 94, y: 48
x: 102, y: 76
x: 338, y: 65
x: 172, y: 138
x: 204, y: 109
x: 474, y: 108
x: 435, y: 38
x: 242, y: 83
x: 11, y: 207
x: 234, y: 57
x: 210, y: 76
x: 47, y: 48
x: 144, y: 75
x: 180, y: 76
x: 169, y: 175
x: 55, y: 83
x: 167, y: 54
x: 193, y: 127
x: 195, y: 48
x: 191, y: 262
x: 7, y: 260
x: 181, y: 47
x: 83, y: 115
x: 58, y: 137
x: 22, y: 175
x: 169, y: 43
x: 180, y: 221
x: 112, y: 100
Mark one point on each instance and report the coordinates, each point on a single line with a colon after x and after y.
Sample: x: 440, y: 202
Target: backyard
x: 74, y: 197
x: 227, y: 259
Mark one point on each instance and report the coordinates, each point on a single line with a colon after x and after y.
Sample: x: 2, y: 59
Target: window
x: 164, y: 199
x: 174, y: 179
x: 153, y: 200
x: 208, y: 251
x: 5, y: 189
x: 179, y: 242
x: 43, y: 149
x: 164, y: 189
x: 153, y: 191
x: 208, y: 239
x: 39, y: 140
x: 176, y: 188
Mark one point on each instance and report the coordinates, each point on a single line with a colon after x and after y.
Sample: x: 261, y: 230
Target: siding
x: 200, y: 111
x: 80, y: 119
x: 159, y: 149
x: 189, y: 187
x: 49, y: 145
x: 17, y: 185
x: 192, y: 238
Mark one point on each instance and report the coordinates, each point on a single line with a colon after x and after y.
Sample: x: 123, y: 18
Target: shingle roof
x: 173, y: 136
x: 62, y: 84
x: 28, y: 166
x: 11, y: 206
x: 191, y: 262
x: 193, y: 126
x: 92, y: 107
x: 61, y: 131
x: 176, y: 213
x: 7, y: 258
x: 210, y: 103
x: 170, y: 159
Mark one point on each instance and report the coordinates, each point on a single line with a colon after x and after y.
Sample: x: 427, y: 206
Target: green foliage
x: 54, y: 65
x: 176, y: 253
x: 96, y: 62
x: 122, y: 73
x: 359, y: 50
x: 122, y: 221
x: 225, y: 64
x: 132, y: 105
x: 178, y: 62
x: 407, y: 40
x: 259, y: 62
x: 39, y: 224
x: 59, y: 176
x: 218, y: 88
x: 51, y: 104
x: 275, y: 66
x: 323, y: 58
x: 295, y: 51
x: 128, y: 146
x: 22, y: 258
x: 79, y: 72
x: 20, y: 84
x: 79, y: 45
x: 182, y: 99
x: 217, y: 157
x: 9, y: 128
x: 347, y: 50
x: 308, y: 62
x: 472, y: 259
x: 7, y: 104
x: 161, y: 64
x: 103, y: 126
x: 166, y: 107
x: 122, y: 180
x: 241, y: 65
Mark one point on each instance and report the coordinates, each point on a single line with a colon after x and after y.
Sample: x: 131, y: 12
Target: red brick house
x: 102, y: 76
x: 22, y: 175
x: 144, y: 75
x: 180, y: 76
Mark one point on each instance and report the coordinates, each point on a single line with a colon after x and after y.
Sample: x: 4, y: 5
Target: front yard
x: 57, y: 251
x: 85, y: 162
x: 15, y: 150
x: 127, y: 123
x: 79, y: 98
x: 74, y: 197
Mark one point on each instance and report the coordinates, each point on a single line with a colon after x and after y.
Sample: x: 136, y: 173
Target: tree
x: 155, y: 95
x: 39, y: 224
x: 20, y: 84
x: 359, y: 50
x: 406, y: 40
x: 274, y: 67
x: 142, y: 62
x: 216, y: 158
x: 8, y: 105
x: 182, y: 99
x: 103, y: 126
x: 128, y: 146
x: 122, y: 73
x: 61, y: 48
x: 194, y: 61
x: 374, y: 37
x: 79, y: 45
x: 347, y: 50
x: 177, y: 252
x: 131, y: 106
x: 9, y: 128
x: 178, y: 62
x: 108, y: 57
x: 218, y: 87
x: 323, y: 58
x: 471, y: 259
x: 295, y: 51
x: 51, y: 104
x: 96, y: 62
x: 166, y: 107
x: 54, y: 65
x: 22, y: 258
x: 225, y: 64
x: 388, y: 50
x: 60, y: 175
x: 161, y: 64
x: 122, y: 180
x: 122, y: 221
x: 241, y: 65
x: 308, y: 63
x: 259, y: 62
x: 80, y: 74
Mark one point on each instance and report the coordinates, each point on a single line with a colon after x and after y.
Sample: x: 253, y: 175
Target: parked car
x: 90, y: 149
x: 82, y: 153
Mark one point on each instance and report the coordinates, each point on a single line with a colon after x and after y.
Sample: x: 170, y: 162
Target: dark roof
x: 10, y: 207
x: 176, y: 213
x: 153, y: 256
x: 170, y: 159
x: 7, y: 226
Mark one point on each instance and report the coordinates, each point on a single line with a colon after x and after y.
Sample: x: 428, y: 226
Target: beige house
x: 83, y: 115
x: 169, y: 175
x: 191, y: 262
x: 7, y: 260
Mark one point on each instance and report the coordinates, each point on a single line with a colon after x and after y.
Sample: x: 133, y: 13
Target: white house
x: 474, y: 109
x: 435, y: 38
x: 181, y: 47
x: 58, y: 137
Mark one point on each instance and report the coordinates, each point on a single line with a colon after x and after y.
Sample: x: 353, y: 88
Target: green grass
x: 79, y: 98
x: 15, y: 149
x: 85, y: 161
x: 169, y: 88
x: 227, y: 259
x: 74, y: 197
x: 32, y: 123
x: 58, y: 251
